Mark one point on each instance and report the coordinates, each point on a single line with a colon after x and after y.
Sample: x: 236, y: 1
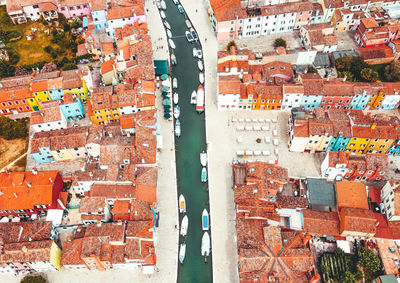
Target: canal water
x: 188, y: 148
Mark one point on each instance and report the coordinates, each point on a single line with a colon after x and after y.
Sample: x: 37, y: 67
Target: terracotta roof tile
x: 321, y: 223
x: 357, y: 220
x: 351, y: 194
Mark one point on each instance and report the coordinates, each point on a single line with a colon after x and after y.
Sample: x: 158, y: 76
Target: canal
x: 188, y: 147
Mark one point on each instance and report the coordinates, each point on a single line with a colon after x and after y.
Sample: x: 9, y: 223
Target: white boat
x: 194, y: 52
x: 188, y: 23
x: 189, y: 36
x: 166, y: 24
x: 182, y: 204
x: 169, y: 33
x: 204, y: 175
x: 163, y: 5
x: 199, y: 53
x: 193, y: 98
x: 184, y: 225
x: 162, y: 14
x: 173, y: 59
x: 199, y: 64
x: 205, y: 220
x: 200, y: 99
x: 176, y: 98
x: 182, y: 252
x: 177, y: 128
x: 176, y: 2
x: 203, y: 158
x: 175, y: 83
x: 171, y: 43
x: 177, y: 111
x: 205, y: 244
x: 201, y: 77
x: 158, y: 4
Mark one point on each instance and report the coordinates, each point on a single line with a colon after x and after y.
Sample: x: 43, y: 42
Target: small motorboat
x: 205, y: 220
x: 184, y: 225
x: 182, y: 252
x: 194, y: 52
x: 173, y: 59
x: 203, y: 158
x: 200, y: 99
x: 158, y: 4
x: 177, y: 128
x: 189, y: 36
x: 199, y: 64
x: 171, y: 43
x: 176, y: 98
x: 177, y: 111
x: 169, y: 33
x: 193, y: 98
x: 201, y: 77
x: 188, y: 23
x: 204, y: 175
x: 182, y: 204
x: 176, y: 2
x: 162, y: 14
x: 199, y: 53
x: 175, y: 83
x: 163, y: 5
x: 166, y: 24
x: 180, y: 8
x: 205, y: 245
x: 194, y: 34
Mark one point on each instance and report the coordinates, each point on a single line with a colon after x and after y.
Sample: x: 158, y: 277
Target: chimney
x: 61, y: 204
x: 16, y: 196
x: 29, y: 184
x: 34, y: 171
x: 51, y: 180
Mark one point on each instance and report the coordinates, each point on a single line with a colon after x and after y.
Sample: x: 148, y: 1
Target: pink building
x: 73, y: 8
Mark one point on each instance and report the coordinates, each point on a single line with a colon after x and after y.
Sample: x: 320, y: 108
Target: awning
x: 164, y: 88
x: 84, y: 22
x: 166, y: 101
x: 164, y: 77
x: 161, y: 67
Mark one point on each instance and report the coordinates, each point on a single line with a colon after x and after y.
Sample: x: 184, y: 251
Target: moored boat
x: 176, y: 98
x: 162, y: 14
x: 177, y: 128
x: 200, y: 99
x: 173, y: 59
x: 171, y: 43
x: 177, y: 111
x: 184, y: 225
x: 193, y: 97
x: 204, y: 175
x: 199, y: 53
x: 199, y: 64
x: 205, y: 220
x: 194, y: 52
x: 166, y: 24
x: 175, y: 83
x: 205, y: 244
x: 182, y: 252
x: 163, y: 5
x: 188, y: 23
x: 176, y: 2
x: 201, y: 77
x: 203, y: 158
x: 169, y: 33
x: 182, y: 204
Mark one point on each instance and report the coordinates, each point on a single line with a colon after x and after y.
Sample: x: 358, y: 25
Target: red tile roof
x: 351, y: 194
x: 321, y: 223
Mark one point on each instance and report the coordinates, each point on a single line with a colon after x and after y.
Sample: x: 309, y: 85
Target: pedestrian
x: 196, y: 10
x: 205, y: 39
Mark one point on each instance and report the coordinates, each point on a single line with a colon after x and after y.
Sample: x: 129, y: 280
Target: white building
x: 333, y: 167
x: 49, y: 118
x: 228, y: 92
x: 292, y: 96
x: 298, y: 135
x: 390, y: 196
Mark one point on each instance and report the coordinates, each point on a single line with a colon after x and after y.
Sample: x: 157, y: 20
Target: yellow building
x: 33, y: 103
x: 55, y: 256
x: 357, y: 145
x: 376, y: 100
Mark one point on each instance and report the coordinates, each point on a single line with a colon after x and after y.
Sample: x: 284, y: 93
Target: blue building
x: 394, y: 149
x: 310, y: 102
x: 360, y: 101
x: 338, y: 143
x: 99, y: 15
x: 56, y: 94
x: 72, y: 107
x: 40, y: 148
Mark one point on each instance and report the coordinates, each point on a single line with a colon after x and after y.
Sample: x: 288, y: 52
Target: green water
x: 188, y: 147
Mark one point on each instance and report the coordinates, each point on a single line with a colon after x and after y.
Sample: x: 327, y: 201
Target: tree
x: 369, y: 75
x: 311, y: 69
x: 343, y: 63
x: 370, y: 262
x: 69, y: 66
x: 6, y: 69
x: 348, y: 277
x: 348, y: 75
x: 230, y: 44
x: 75, y: 24
x: 392, y: 71
x: 34, y: 279
x: 357, y: 64
x: 280, y: 42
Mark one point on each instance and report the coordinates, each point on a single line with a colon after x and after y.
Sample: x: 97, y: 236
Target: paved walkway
x: 224, y: 251
x: 13, y: 162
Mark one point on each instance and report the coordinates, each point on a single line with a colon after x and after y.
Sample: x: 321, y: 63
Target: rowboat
x: 193, y: 98
x: 199, y: 64
x: 194, y: 52
x: 188, y: 24
x: 205, y: 245
x: 182, y: 252
x: 166, y: 24
x: 175, y: 83
x: 205, y: 220
x: 177, y: 128
x: 200, y: 99
x: 171, y: 43
x: 204, y: 175
x: 162, y: 14
x: 203, y: 158
x: 163, y: 5
x: 173, y: 59
x: 182, y: 204
x: 176, y: 98
x: 177, y: 111
x: 169, y: 33
x: 201, y: 77
x: 184, y: 225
